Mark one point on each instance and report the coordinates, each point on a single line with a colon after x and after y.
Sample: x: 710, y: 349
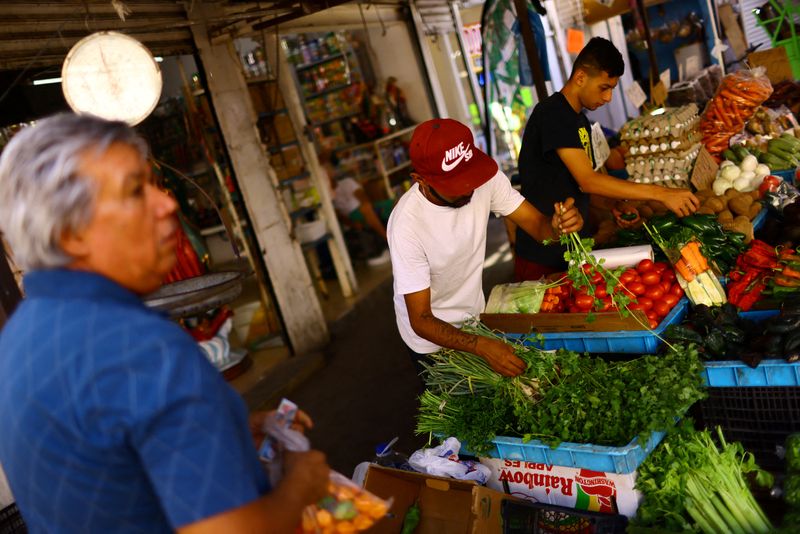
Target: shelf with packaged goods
x: 339, y: 118
x: 304, y: 66
x: 324, y: 92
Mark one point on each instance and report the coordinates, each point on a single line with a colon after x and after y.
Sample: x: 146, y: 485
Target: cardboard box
x: 570, y: 487
x: 447, y: 506
x: 776, y: 61
x: 523, y: 323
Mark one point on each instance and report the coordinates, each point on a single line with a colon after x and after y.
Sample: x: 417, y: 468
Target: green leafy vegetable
x: 689, y: 483
x: 561, y: 396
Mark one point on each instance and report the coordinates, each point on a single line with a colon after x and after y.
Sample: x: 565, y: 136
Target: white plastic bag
x: 443, y: 461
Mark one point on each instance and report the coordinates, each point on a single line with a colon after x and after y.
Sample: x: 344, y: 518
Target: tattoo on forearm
x: 447, y: 335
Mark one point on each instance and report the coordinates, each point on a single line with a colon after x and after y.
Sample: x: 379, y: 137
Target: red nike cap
x: 443, y: 152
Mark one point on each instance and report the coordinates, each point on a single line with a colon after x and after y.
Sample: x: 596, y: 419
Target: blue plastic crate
x: 787, y: 175
x: 760, y: 219
x: 623, y: 341
x: 733, y: 373
x: 620, y: 460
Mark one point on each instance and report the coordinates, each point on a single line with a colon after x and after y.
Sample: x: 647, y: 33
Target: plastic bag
x: 522, y: 297
x: 347, y: 508
x: 736, y: 100
x: 782, y: 195
x: 443, y: 461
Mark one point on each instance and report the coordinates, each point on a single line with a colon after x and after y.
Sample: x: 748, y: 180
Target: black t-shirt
x: 553, y: 124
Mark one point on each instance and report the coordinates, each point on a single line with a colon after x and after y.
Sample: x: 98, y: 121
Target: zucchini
x: 775, y: 163
x: 730, y: 156
x: 792, y: 140
x: 740, y: 151
x: 781, y: 144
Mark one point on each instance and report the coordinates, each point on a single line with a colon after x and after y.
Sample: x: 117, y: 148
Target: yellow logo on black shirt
x: 585, y: 141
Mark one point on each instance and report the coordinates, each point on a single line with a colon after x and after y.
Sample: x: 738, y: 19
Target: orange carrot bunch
x: 736, y: 101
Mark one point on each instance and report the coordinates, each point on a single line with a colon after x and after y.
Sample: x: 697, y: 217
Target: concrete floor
x: 365, y: 391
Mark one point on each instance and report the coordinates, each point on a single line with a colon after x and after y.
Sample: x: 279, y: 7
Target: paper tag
x: 658, y: 94
x: 599, y: 146
x: 776, y: 61
x: 574, y: 40
x: 665, y: 79
x: 692, y: 66
x: 705, y: 170
x: 636, y: 95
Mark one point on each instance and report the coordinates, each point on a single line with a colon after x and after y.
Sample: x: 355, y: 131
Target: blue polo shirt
x: 111, y: 419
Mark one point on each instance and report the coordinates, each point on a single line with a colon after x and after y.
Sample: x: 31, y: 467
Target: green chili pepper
x: 411, y: 519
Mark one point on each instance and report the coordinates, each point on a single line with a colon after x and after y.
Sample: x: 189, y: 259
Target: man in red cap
x: 437, y: 241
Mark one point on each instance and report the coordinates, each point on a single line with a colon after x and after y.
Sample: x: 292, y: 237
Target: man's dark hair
x: 599, y: 55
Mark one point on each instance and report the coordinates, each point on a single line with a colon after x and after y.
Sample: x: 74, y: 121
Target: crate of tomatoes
x: 602, y: 311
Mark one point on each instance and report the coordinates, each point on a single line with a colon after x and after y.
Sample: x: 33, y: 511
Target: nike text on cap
x: 444, y: 153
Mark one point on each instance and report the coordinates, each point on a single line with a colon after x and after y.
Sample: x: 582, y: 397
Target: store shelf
x: 328, y: 91
x: 267, y: 114
x: 301, y: 212
x: 277, y: 149
x: 326, y: 59
x: 342, y: 117
x: 400, y: 167
x: 292, y: 179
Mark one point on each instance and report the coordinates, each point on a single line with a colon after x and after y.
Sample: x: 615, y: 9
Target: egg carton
x: 660, y: 146
x: 675, y: 122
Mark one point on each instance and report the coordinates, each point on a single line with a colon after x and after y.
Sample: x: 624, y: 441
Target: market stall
x: 662, y: 387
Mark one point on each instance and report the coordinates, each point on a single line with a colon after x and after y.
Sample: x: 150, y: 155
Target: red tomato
x: 574, y: 309
x: 655, y: 292
x: 660, y: 267
x: 670, y: 300
x: 653, y: 324
x: 637, y: 288
x: 634, y: 306
x: 661, y: 309
x: 651, y: 278
x: 666, y: 286
x: 645, y: 303
x: 627, y: 276
x: 652, y: 315
x: 645, y: 266
x: 584, y: 302
x: 596, y: 278
x: 668, y: 276
x: 600, y: 291
x: 606, y: 304
x: 676, y: 290
x: 586, y: 268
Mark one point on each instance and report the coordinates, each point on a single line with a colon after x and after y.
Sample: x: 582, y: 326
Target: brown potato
x: 725, y: 217
x: 755, y: 209
x: 740, y: 205
x: 715, y: 204
x: 705, y: 210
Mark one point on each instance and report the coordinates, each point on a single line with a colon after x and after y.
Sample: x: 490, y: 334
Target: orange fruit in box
x: 345, y: 527
x: 363, y: 522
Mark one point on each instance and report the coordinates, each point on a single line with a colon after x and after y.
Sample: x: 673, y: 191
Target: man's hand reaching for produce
x: 500, y: 356
x: 680, y: 201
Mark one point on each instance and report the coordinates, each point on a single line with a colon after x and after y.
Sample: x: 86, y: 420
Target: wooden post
x: 294, y: 291
x: 528, y: 39
x: 440, y: 104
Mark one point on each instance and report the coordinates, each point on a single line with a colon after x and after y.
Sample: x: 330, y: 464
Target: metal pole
x: 427, y: 59
x: 530, y: 48
x: 651, y: 53
x: 473, y: 80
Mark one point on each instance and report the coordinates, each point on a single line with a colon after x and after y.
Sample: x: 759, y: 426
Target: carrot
x: 683, y: 270
x: 694, y: 258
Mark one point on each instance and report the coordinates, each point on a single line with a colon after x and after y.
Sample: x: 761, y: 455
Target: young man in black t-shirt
x: 556, y: 160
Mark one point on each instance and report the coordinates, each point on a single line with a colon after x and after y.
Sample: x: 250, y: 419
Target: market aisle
x: 366, y: 394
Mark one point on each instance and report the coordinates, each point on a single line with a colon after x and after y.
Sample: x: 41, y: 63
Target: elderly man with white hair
x: 111, y: 419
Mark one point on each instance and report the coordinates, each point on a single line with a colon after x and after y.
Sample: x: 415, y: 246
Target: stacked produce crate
x: 661, y: 149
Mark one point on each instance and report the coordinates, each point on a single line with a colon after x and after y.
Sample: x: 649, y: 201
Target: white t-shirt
x: 344, y: 196
x: 444, y: 249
